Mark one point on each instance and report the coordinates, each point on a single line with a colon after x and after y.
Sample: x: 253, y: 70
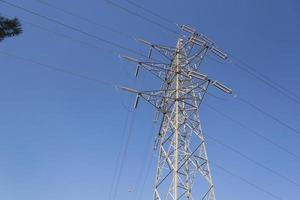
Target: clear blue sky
x: 60, y: 135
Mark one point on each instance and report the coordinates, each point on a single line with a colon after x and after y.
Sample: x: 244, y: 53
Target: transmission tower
x: 183, y: 170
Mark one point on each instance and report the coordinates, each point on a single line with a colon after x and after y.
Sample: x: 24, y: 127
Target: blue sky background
x: 60, y: 135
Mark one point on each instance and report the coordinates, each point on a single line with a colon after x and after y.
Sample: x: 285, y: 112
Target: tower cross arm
x: 204, y: 41
x: 159, y: 69
x: 166, y: 51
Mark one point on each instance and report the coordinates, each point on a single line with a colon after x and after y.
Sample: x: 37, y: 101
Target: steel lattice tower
x: 183, y: 170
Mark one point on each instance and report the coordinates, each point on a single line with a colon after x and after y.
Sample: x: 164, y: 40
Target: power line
x: 146, y: 163
x: 58, y: 69
x: 101, y: 49
x: 139, y: 196
x: 150, y: 12
x: 118, y: 160
x: 76, y: 30
x: 113, y: 30
x: 92, y: 45
x: 253, y: 161
x: 253, y: 106
x: 265, y: 77
x: 294, y: 130
x: 73, y: 28
x: 140, y: 16
x: 123, y: 156
x: 253, y: 132
x: 247, y: 181
x: 267, y: 81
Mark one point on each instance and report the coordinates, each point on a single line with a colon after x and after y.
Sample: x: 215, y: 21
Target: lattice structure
x: 183, y: 170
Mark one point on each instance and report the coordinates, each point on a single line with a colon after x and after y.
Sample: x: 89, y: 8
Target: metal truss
x: 183, y: 170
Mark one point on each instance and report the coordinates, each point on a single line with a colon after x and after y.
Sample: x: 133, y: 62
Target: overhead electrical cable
x: 146, y: 163
x: 123, y: 156
x: 247, y: 181
x: 58, y: 69
x: 103, y: 26
x: 265, y: 77
x: 257, y: 163
x: 253, y: 132
x: 141, y: 16
x: 144, y: 180
x: 119, y: 158
x: 66, y: 36
x: 74, y: 28
x: 150, y: 12
x: 265, y: 80
x: 275, y: 119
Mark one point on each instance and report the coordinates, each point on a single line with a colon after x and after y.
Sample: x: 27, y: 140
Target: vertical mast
x: 177, y: 65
